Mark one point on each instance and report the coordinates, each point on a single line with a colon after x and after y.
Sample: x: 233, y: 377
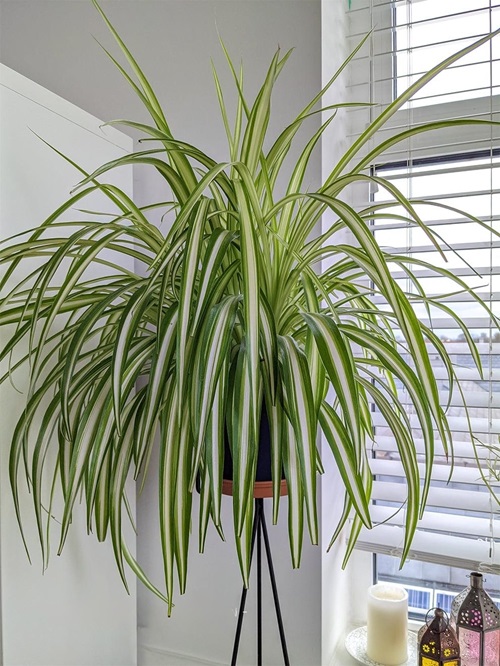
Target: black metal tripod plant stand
x: 259, y: 530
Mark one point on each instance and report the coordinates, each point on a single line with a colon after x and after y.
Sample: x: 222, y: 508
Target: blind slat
x: 463, y: 450
x: 460, y: 475
x: 474, y: 399
x: 457, y: 247
x: 444, y: 498
x: 461, y: 272
x: 457, y: 525
x: 458, y: 424
x: 471, y: 554
x: 454, y: 298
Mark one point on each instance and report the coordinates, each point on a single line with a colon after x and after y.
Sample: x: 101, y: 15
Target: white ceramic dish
x: 355, y: 644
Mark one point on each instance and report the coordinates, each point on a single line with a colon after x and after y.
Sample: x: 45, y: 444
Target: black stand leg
x: 243, y: 600
x: 275, y: 590
x: 259, y: 508
x: 259, y: 529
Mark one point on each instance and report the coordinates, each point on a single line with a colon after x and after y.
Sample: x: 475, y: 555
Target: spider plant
x: 225, y: 315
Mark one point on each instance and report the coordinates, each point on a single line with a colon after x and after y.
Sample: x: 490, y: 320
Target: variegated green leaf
x: 346, y: 459
x: 245, y: 541
x: 183, y: 499
x: 168, y: 471
x: 242, y: 437
x: 338, y: 362
x: 295, y: 494
x: 214, y: 348
x: 155, y: 395
x: 301, y: 411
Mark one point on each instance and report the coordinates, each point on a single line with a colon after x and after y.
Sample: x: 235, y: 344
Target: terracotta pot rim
x: 261, y: 489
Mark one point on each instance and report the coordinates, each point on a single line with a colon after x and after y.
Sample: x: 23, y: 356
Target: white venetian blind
x: 455, y: 169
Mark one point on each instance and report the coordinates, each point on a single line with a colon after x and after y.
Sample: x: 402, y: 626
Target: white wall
x: 78, y: 613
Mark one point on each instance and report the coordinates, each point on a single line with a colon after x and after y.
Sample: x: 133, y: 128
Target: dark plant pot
x: 263, y: 486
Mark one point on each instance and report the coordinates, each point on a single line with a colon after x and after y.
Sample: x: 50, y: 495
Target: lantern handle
x: 445, y: 615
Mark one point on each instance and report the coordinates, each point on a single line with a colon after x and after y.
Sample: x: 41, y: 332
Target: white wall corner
x: 343, y: 591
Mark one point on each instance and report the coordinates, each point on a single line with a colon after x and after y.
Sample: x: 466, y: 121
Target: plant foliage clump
x: 227, y: 315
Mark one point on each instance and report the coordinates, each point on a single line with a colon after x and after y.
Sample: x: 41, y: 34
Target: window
x: 456, y: 170
x: 457, y: 181
x: 426, y: 31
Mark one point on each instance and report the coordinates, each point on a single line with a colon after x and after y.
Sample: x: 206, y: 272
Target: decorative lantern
x: 437, y: 642
x: 477, y: 623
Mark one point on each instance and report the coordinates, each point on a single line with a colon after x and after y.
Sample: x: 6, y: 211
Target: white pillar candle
x: 387, y: 624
